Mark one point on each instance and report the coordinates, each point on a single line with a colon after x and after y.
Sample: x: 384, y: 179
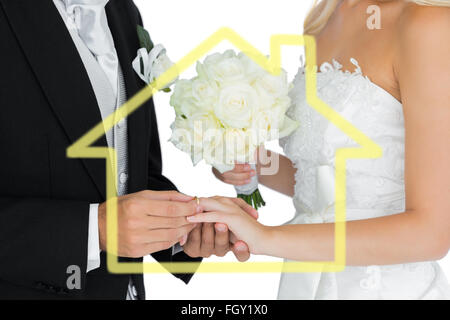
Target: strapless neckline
x: 335, y: 66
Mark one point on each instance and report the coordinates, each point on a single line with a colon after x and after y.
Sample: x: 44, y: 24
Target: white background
x: 180, y: 25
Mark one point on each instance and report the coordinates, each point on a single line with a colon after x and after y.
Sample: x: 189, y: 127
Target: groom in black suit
x: 47, y: 101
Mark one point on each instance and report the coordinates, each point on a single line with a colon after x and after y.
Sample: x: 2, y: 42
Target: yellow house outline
x: 368, y: 149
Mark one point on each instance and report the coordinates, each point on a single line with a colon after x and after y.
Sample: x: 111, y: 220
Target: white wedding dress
x: 375, y: 187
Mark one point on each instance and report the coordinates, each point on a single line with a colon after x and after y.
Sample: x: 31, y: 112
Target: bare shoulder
x: 422, y: 64
x: 423, y: 38
x: 424, y: 22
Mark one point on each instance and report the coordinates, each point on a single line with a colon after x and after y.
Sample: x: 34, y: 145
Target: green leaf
x: 144, y: 38
x: 167, y: 90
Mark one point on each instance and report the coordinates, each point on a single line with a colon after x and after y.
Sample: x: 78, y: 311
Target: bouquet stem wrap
x: 249, y: 192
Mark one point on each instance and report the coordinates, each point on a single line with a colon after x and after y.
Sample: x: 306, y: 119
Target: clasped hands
x: 151, y: 221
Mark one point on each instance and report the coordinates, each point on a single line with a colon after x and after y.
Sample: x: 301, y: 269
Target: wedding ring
x: 198, y: 200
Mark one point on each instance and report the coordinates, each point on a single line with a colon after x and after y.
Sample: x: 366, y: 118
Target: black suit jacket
x: 46, y: 104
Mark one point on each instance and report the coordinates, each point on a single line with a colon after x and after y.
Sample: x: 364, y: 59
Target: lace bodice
x: 371, y: 183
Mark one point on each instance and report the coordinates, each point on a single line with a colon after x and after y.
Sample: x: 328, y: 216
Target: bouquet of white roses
x: 227, y: 111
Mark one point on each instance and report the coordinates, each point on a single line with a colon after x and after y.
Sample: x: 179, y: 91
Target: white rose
x: 205, y: 93
x: 223, y: 68
x: 189, y: 108
x: 240, y: 146
x: 213, y: 146
x: 223, y: 147
x: 236, y: 105
x: 182, y: 136
x: 265, y: 126
x: 252, y: 69
x: 216, y: 58
x: 192, y: 97
x: 267, y: 99
x: 276, y: 86
x: 188, y: 137
x: 203, y: 122
x: 182, y: 95
x: 210, y: 61
x: 182, y: 90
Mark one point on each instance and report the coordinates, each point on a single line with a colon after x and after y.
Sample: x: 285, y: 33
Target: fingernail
x: 199, y: 209
x: 241, y: 248
x: 221, y: 228
x: 253, y: 173
x: 183, y: 240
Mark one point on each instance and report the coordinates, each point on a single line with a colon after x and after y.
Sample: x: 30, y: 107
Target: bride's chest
x: 356, y: 100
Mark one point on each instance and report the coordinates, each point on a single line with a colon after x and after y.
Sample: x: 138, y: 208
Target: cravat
x: 89, y: 18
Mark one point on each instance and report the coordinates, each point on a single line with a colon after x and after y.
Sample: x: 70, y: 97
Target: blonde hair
x: 322, y: 11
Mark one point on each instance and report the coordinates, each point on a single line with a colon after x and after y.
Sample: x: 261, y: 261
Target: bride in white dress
x: 393, y: 84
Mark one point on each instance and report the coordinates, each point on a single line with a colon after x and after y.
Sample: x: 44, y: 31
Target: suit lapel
x: 123, y: 29
x: 60, y: 71
x: 57, y: 65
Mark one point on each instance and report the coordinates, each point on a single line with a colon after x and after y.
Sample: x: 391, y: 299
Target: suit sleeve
x: 43, y: 242
x: 156, y: 181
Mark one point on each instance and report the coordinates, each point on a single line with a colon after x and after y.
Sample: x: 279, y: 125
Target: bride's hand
x: 243, y: 226
x: 239, y: 176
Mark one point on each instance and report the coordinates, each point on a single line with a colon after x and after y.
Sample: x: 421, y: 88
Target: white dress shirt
x: 102, y: 68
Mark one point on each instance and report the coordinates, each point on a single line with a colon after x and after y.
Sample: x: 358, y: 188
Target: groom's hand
x: 149, y: 221
x: 215, y: 239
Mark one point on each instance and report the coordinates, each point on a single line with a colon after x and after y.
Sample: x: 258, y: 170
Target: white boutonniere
x: 151, y: 61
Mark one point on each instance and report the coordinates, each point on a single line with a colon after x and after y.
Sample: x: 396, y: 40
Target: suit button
x: 123, y: 178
